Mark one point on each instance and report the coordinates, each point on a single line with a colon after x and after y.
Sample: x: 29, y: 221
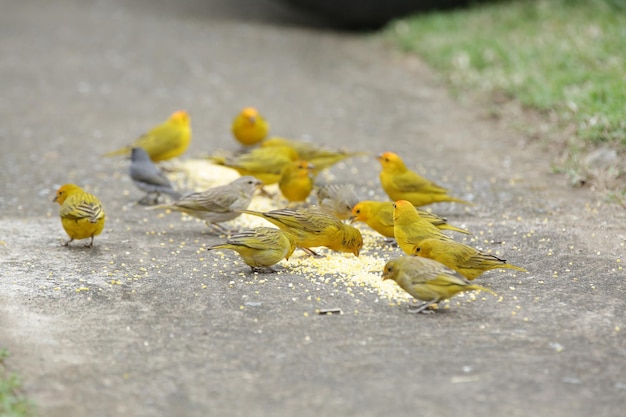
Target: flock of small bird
x: 435, y: 268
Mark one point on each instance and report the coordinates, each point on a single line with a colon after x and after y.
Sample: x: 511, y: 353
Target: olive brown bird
x: 217, y: 204
x: 312, y: 227
x: 427, y: 280
x: 260, y: 248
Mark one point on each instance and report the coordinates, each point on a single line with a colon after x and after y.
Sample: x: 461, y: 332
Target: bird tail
x: 161, y: 206
x: 447, y: 226
x: 517, y: 268
x: 481, y: 288
x: 121, y: 151
x: 459, y: 200
x: 219, y: 246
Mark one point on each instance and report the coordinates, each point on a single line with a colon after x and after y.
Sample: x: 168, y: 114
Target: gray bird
x: 217, y: 204
x: 149, y: 178
x: 337, y: 199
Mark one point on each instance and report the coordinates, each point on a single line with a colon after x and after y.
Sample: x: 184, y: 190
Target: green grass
x: 562, y: 57
x: 12, y: 401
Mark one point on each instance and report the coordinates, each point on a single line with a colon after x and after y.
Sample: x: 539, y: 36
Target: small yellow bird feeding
x: 379, y: 216
x: 296, y: 181
x: 400, y: 183
x: 467, y: 261
x: 427, y: 280
x: 312, y: 227
x: 165, y: 141
x: 260, y: 248
x: 249, y: 127
x: 266, y: 164
x: 409, y: 228
x: 322, y: 158
x: 217, y: 204
x: 82, y: 215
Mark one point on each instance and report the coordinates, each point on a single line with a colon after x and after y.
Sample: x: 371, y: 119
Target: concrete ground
x: 148, y: 324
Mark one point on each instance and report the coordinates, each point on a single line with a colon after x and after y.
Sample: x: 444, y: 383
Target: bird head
x: 359, y: 212
x: 391, y: 162
x: 180, y: 116
x: 139, y: 154
x: 352, y: 240
x: 250, y: 114
x: 402, y: 208
x: 390, y: 271
x: 65, y: 191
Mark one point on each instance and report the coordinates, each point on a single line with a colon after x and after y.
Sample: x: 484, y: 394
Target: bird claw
x: 425, y: 308
x: 312, y: 253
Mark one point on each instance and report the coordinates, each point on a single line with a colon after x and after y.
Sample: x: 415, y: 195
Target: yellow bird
x: 427, y: 280
x: 466, y: 260
x: 322, y: 158
x: 409, y: 228
x: 400, y: 183
x: 296, y: 181
x: 260, y: 248
x: 379, y: 216
x: 266, y: 164
x: 311, y: 228
x: 82, y: 215
x: 249, y: 127
x: 165, y: 141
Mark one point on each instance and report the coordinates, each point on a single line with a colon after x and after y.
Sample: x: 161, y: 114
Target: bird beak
x: 351, y: 219
x: 54, y: 200
x: 379, y: 157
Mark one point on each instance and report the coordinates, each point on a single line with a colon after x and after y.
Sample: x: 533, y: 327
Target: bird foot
x: 312, y: 253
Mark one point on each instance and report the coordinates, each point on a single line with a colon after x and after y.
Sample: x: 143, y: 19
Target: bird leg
x: 68, y: 242
x: 148, y: 200
x: 263, y: 270
x: 90, y: 244
x: 312, y: 253
x: 265, y: 193
x: 422, y: 308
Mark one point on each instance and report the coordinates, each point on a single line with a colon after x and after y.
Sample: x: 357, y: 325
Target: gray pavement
x: 144, y: 325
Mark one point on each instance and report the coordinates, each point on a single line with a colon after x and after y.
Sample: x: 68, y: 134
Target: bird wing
x: 209, y: 200
x: 435, y: 272
x: 149, y: 174
x: 298, y: 220
x: 254, y: 240
x: 412, y: 182
x: 159, y: 140
x: 84, y: 209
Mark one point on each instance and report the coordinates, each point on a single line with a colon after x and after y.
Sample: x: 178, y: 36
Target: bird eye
x: 394, y: 205
x: 417, y: 249
x: 389, y: 268
x: 358, y: 211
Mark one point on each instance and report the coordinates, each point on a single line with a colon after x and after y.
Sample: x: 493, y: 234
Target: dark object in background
x: 371, y: 14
